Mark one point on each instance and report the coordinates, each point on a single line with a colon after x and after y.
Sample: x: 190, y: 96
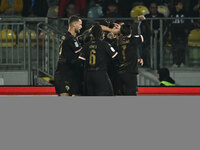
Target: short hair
x: 125, y: 29
x: 153, y: 2
x: 97, y: 32
x: 73, y: 19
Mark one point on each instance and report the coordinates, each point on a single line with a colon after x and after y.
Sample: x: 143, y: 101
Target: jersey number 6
x: 92, y: 60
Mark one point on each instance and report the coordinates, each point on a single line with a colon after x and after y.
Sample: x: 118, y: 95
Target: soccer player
x: 127, y: 60
x: 96, y: 55
x: 68, y: 73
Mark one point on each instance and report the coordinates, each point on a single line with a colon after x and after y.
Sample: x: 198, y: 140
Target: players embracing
x: 86, y: 64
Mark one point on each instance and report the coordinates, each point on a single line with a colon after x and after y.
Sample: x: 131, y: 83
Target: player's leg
x: 102, y: 84
x: 62, y: 88
x: 129, y: 84
x: 88, y: 84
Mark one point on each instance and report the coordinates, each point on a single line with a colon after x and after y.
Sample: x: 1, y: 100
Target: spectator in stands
x: 125, y: 6
x: 35, y: 8
x: 148, y: 2
x: 69, y: 10
x: 179, y: 34
x: 196, y: 13
x: 147, y: 32
x: 95, y: 9
x: 196, y: 8
x: 112, y: 11
x: 53, y: 2
x: 11, y: 7
x: 164, y: 77
x: 53, y: 8
x: 162, y: 2
x: 80, y: 7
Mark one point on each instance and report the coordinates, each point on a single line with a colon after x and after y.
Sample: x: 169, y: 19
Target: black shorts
x: 97, y: 83
x: 128, y: 83
x: 67, y: 83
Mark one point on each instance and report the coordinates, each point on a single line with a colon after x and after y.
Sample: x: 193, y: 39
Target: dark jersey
x: 127, y: 59
x: 68, y: 75
x: 97, y: 54
x: 69, y: 52
x: 178, y: 26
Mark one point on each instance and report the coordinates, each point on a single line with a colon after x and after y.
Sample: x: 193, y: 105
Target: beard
x: 77, y: 31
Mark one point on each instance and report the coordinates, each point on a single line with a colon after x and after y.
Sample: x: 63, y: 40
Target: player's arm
x: 74, y: 45
x: 114, y: 30
x: 110, y: 50
x: 141, y: 17
x: 75, y: 48
x: 139, y: 41
x: 82, y: 55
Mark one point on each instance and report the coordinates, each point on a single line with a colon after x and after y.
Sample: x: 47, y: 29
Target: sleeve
x: 78, y: 58
x: 82, y: 55
x: 110, y: 50
x: 139, y: 39
x: 75, y: 45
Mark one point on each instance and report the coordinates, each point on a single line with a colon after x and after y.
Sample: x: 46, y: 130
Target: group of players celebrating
x: 94, y: 65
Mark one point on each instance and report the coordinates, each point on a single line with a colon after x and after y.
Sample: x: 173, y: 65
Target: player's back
x: 128, y: 53
x: 96, y: 56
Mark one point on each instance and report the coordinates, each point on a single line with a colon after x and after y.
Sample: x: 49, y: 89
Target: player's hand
x: 115, y: 31
x: 141, y: 17
x: 141, y: 62
x: 117, y: 26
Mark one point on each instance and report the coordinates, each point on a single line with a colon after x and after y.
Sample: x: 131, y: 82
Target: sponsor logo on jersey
x: 76, y: 44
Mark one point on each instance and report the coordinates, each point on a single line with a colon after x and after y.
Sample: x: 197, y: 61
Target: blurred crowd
x: 87, y: 8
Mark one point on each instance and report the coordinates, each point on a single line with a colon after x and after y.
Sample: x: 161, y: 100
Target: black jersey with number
x: 127, y: 59
x: 69, y: 52
x: 97, y: 53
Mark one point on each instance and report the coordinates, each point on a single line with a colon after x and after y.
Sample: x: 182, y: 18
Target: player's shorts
x: 128, y: 83
x: 98, y: 84
x: 67, y: 83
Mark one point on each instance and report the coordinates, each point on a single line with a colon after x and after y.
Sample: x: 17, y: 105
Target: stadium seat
x: 137, y: 11
x: 194, y: 38
x: 21, y: 38
x: 194, y: 47
x: 7, y: 38
x: 163, y: 10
